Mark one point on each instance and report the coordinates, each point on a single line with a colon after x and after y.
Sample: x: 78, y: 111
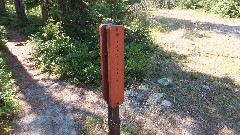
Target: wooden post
x: 112, y: 65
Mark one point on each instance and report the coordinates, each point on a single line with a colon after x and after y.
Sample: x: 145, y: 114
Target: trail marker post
x: 112, y: 69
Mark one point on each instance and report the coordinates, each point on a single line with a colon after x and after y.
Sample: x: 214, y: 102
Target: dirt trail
x: 47, y: 106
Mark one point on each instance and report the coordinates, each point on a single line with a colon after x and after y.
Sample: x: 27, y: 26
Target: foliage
x: 57, y: 53
x: 3, y: 35
x: 228, y: 8
x: 68, y: 45
x: 207, y: 4
x: 33, y: 24
x: 137, y: 60
x: 31, y: 4
x: 8, y: 107
x: 81, y: 19
x: 188, y: 4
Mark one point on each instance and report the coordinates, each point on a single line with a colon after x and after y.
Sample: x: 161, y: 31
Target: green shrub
x: 3, y: 35
x: 207, y: 4
x: 137, y: 61
x: 80, y: 60
x: 188, y: 4
x: 68, y: 57
x: 10, y: 19
x: 8, y: 107
x: 59, y: 54
x: 228, y: 8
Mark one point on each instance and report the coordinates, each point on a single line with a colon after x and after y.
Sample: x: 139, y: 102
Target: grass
x: 98, y: 125
x: 95, y: 125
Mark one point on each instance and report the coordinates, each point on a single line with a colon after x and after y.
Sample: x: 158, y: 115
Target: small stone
x: 166, y: 103
x: 165, y: 81
x: 146, y: 90
x: 158, y: 95
x: 130, y: 93
x: 136, y: 105
x: 206, y: 87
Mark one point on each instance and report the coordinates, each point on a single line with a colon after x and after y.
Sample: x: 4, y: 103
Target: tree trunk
x: 2, y: 6
x: 45, y: 10
x: 20, y: 11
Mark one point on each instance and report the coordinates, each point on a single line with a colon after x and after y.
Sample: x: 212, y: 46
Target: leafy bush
x: 188, y: 4
x: 228, y: 8
x: 8, y: 107
x: 57, y: 53
x: 10, y: 19
x: 207, y: 4
x: 3, y: 35
x: 137, y: 61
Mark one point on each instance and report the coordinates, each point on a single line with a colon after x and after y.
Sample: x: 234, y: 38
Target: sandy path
x: 47, y: 105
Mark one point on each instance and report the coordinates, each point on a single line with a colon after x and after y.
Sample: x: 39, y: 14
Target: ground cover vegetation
x: 8, y: 107
x: 226, y: 8
x: 67, y: 42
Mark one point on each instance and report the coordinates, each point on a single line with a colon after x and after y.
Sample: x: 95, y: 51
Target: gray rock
x: 145, y: 90
x: 206, y: 87
x: 166, y: 103
x: 165, y: 81
x: 130, y: 93
x: 155, y: 98
x: 136, y: 105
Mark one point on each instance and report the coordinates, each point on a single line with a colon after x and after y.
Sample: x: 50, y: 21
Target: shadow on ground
x: 43, y: 114
x: 212, y: 101
x: 173, y: 24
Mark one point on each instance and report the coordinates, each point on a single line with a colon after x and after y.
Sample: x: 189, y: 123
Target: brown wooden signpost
x: 112, y: 65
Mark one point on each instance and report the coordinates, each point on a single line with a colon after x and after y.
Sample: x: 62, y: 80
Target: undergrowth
x: 64, y: 48
x: 8, y: 107
x: 3, y: 35
x: 60, y: 54
x: 98, y: 125
x: 226, y: 8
